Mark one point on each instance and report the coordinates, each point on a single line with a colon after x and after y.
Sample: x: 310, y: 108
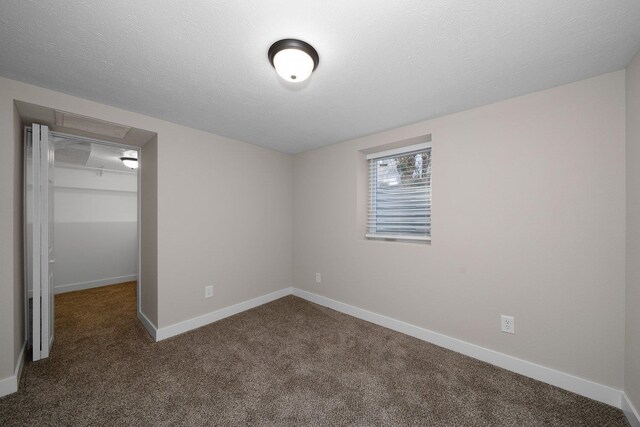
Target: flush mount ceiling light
x: 294, y: 60
x: 130, y: 159
x: 130, y: 162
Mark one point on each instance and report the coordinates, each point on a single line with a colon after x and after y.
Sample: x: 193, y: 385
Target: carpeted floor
x: 289, y: 362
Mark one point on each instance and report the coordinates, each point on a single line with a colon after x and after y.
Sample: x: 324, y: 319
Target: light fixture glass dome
x: 130, y: 162
x: 293, y: 65
x: 294, y: 60
x: 130, y: 159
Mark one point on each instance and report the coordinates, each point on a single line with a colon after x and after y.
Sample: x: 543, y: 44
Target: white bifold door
x: 39, y: 242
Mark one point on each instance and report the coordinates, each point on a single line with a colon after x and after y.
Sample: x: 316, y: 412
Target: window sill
x: 396, y: 237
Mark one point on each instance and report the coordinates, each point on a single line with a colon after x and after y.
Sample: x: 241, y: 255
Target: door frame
x: 27, y: 130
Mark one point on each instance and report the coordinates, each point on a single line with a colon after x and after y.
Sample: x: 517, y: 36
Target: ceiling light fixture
x: 130, y: 162
x: 130, y: 159
x: 294, y: 60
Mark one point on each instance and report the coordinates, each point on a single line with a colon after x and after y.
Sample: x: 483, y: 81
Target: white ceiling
x: 383, y: 64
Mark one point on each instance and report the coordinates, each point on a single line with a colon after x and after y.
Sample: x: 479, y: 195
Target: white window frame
x: 390, y: 153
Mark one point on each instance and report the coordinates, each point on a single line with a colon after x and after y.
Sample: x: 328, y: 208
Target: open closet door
x: 40, y: 243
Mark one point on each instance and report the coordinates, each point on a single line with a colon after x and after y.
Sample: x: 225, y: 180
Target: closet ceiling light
x: 130, y: 162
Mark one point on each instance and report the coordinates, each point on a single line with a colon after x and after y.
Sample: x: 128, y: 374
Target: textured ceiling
x: 382, y: 63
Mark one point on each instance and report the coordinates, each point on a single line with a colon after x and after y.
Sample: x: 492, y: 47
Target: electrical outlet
x: 208, y: 291
x: 507, y: 324
x: 318, y: 278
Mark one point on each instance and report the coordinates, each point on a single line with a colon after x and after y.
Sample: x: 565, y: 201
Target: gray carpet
x: 288, y: 362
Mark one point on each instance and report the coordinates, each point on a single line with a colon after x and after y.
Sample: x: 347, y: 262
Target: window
x: 400, y: 193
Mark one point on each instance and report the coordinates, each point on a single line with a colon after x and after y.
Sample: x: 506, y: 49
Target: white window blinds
x: 400, y: 193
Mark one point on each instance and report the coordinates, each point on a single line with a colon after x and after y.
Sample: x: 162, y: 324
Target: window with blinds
x: 400, y: 193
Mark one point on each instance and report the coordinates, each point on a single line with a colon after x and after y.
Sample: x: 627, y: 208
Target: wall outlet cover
x: 507, y: 324
x: 318, y: 278
x: 208, y: 291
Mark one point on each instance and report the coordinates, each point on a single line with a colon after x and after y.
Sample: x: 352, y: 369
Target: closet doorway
x: 82, y: 229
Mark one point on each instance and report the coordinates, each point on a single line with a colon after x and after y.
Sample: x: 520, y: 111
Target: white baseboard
x: 590, y: 389
x: 630, y: 411
x: 581, y: 386
x: 214, y: 316
x: 148, y: 325
x: 10, y: 385
x: 60, y: 289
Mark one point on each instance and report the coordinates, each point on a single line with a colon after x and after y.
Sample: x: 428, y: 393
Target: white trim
x: 148, y: 325
x: 61, y: 289
x: 36, y: 236
x: 10, y: 385
x: 632, y: 414
x: 214, y: 316
x: 70, y: 189
x: 581, y: 386
x: 25, y: 235
x: 380, y: 236
x: 590, y: 389
x: 46, y: 221
x: 63, y: 165
x: 398, y: 151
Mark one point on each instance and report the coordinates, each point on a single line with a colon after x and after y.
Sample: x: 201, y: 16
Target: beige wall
x: 632, y: 361
x: 149, y: 230
x: 224, y: 213
x: 224, y: 219
x: 528, y: 221
x: 7, y: 265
